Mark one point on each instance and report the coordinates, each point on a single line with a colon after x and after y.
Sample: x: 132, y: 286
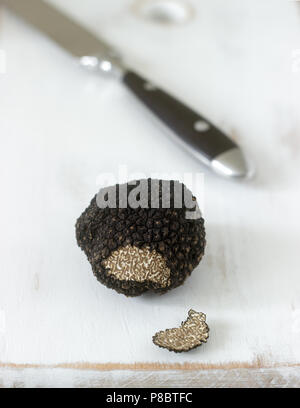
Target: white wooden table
x: 61, y: 128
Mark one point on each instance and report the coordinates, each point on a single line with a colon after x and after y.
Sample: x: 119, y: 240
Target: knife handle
x: 197, y: 132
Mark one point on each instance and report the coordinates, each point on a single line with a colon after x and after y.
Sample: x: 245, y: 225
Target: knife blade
x: 197, y: 134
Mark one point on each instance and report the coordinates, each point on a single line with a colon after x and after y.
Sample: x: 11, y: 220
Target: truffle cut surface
x: 191, y: 334
x: 130, y: 263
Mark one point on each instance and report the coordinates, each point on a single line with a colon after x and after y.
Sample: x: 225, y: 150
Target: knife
x: 197, y: 134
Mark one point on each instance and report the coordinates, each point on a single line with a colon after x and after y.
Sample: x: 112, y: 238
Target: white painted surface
x: 284, y: 377
x: 61, y: 128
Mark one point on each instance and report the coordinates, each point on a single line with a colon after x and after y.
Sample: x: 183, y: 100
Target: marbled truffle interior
x: 191, y: 334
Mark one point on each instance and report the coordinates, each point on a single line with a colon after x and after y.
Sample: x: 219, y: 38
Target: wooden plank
x: 281, y: 377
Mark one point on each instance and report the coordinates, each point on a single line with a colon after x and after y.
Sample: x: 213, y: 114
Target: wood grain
x: 213, y: 378
x: 258, y: 364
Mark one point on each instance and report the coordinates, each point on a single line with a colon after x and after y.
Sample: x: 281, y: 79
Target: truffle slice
x: 141, y: 247
x: 191, y: 334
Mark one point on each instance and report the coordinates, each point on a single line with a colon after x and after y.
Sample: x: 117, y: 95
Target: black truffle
x: 191, y: 334
x: 135, y: 247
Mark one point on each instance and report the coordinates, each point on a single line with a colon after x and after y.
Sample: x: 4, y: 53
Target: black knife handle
x: 191, y: 127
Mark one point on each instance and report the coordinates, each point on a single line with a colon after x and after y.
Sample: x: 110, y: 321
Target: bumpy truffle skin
x: 166, y: 231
